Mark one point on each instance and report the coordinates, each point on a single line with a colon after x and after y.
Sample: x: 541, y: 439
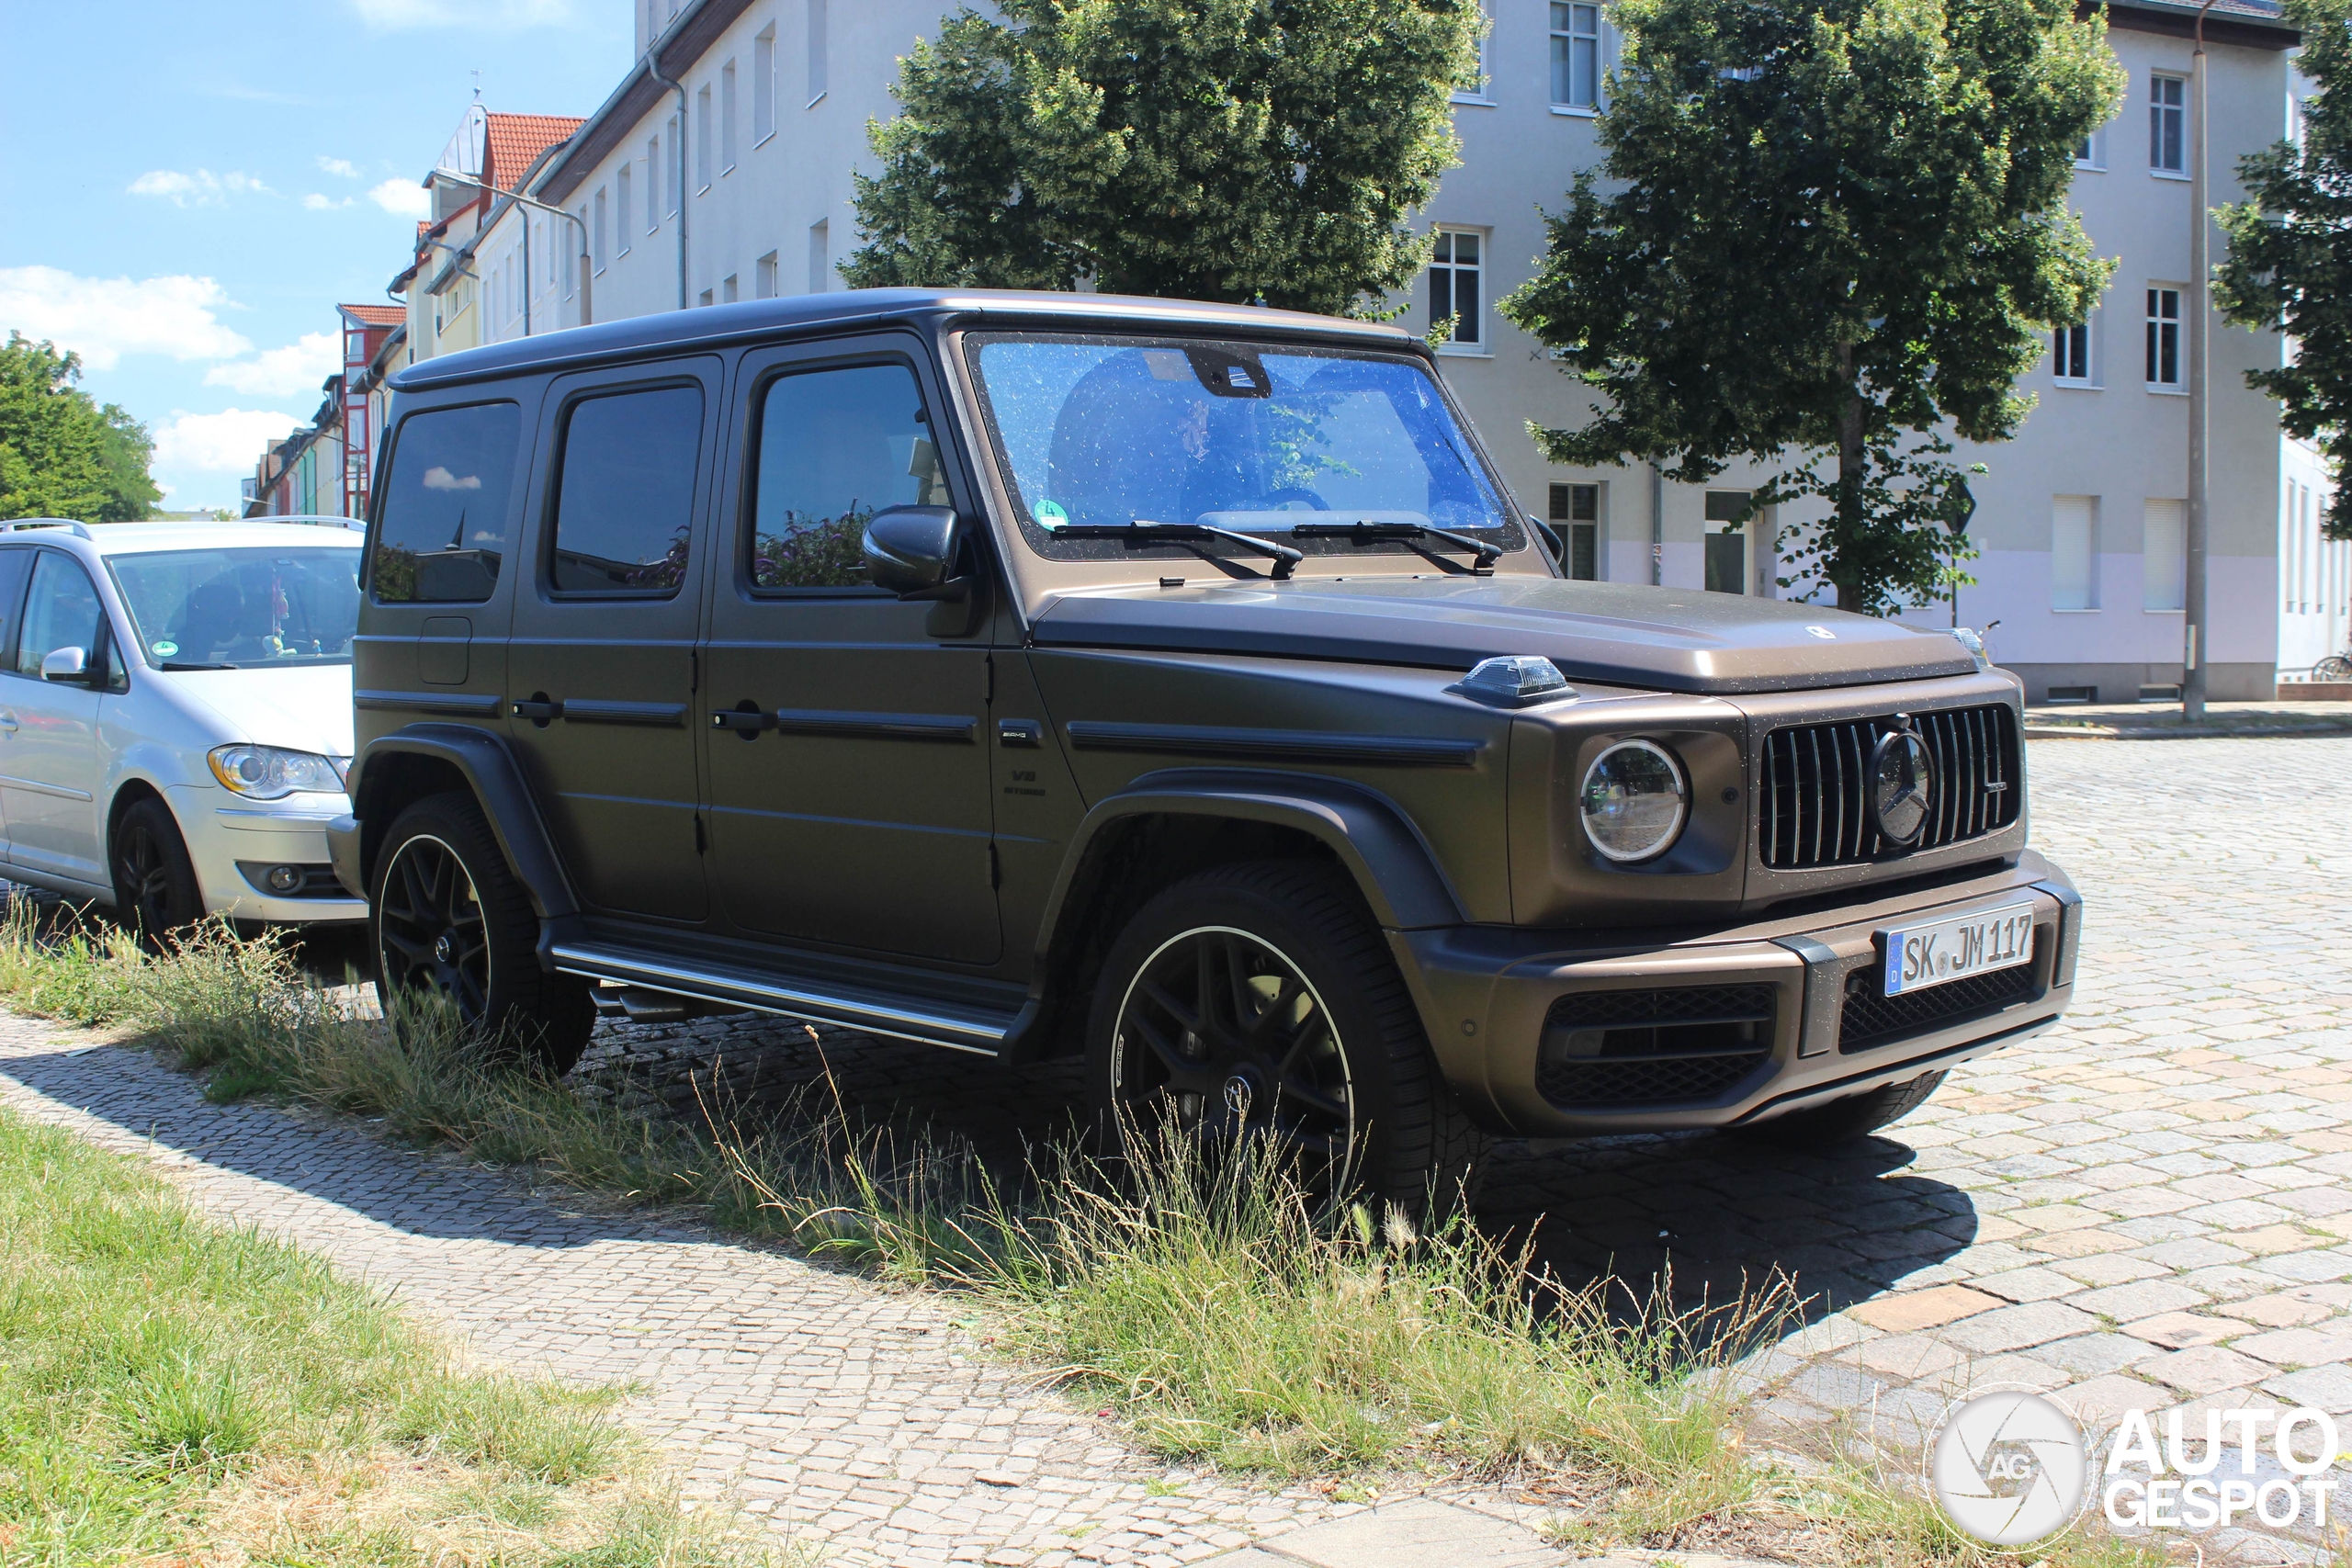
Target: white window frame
x: 1578, y: 11
x: 729, y: 289
x: 818, y: 51
x: 703, y: 173
x: 2092, y: 159
x: 2158, y: 515
x: 1476, y: 344
x: 1484, y: 94
x: 763, y: 87
x: 2076, y: 364
x: 764, y: 276
x: 624, y: 184
x: 727, y: 105
x: 652, y: 183
x: 821, y: 255
x: 2158, y: 112
x: 597, y: 253
x: 677, y: 169
x: 2090, y: 514
x: 2152, y: 339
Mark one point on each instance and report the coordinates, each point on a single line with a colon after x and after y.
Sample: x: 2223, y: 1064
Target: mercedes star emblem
x: 1902, y: 779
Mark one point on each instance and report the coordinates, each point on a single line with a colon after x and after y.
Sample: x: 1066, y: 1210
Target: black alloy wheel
x: 1221, y: 1031
x: 430, y: 934
x: 155, y: 888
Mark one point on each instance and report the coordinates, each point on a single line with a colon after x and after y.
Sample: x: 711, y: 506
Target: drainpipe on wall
x: 2197, y: 638
x: 685, y: 196
x: 1657, y: 527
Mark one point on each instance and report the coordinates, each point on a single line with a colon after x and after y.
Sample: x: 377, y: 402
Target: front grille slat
x: 1815, y: 808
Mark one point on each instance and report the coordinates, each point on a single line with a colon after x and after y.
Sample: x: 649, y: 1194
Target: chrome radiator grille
x: 1814, y: 806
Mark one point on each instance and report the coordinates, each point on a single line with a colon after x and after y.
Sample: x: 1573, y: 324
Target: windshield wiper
x: 1285, y: 558
x: 168, y: 664
x: 1367, y: 532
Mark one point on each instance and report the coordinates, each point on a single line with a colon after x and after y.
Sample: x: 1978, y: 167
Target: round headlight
x: 1634, y: 801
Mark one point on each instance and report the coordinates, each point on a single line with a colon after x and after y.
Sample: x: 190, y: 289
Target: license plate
x: 1956, y: 947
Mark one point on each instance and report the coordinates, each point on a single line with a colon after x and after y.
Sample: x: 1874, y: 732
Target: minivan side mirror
x: 912, y: 551
x: 69, y: 666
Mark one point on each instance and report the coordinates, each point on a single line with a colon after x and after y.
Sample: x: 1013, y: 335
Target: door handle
x: 7, y: 722
x: 743, y: 720
x: 538, y: 710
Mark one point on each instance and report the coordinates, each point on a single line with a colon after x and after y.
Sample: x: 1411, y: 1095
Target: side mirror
x: 70, y: 666
x: 912, y: 551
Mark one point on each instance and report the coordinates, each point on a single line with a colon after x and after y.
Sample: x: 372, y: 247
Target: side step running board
x: 978, y: 1029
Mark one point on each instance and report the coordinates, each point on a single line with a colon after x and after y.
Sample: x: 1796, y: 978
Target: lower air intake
x: 1692, y: 1044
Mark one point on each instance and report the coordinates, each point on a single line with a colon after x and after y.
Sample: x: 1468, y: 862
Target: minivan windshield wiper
x: 1284, y: 557
x: 175, y: 665
x: 1367, y: 532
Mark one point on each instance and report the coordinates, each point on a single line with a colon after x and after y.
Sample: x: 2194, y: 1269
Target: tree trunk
x: 1849, y: 525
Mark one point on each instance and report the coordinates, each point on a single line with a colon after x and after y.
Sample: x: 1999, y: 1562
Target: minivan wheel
x: 1844, y: 1120
x: 155, y: 889
x: 1258, y: 1000
x: 448, y: 919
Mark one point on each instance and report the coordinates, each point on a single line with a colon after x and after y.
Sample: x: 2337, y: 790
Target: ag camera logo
x: 2008, y: 1468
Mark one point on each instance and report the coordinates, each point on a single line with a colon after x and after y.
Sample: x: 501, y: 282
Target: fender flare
x: 1386, y: 855
x: 488, y: 765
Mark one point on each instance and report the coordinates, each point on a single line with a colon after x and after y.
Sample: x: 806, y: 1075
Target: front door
x: 847, y: 744
x: 601, y: 665
x: 52, y: 765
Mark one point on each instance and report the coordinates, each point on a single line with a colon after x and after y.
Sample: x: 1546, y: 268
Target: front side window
x: 1456, y: 273
x: 444, y: 532
x: 2167, y: 124
x: 61, y: 611
x: 1576, y: 56
x: 626, y: 495
x: 1256, y: 438
x: 835, y: 446
x: 2163, y: 337
x: 228, y: 609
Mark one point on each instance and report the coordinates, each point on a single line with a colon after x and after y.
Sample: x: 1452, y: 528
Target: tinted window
x: 61, y: 611
x: 14, y: 564
x: 297, y: 605
x: 445, y: 506
x: 835, y: 447
x: 624, y: 504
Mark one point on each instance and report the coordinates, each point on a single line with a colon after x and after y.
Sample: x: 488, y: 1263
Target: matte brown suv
x: 1176, y: 685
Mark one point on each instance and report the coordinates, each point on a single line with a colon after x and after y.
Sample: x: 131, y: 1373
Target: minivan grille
x: 1814, y: 808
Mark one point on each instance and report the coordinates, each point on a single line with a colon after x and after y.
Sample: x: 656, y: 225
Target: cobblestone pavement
x: 2147, y: 1207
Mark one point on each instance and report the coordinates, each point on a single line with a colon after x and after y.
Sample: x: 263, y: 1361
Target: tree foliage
x: 1231, y: 149
x: 2289, y: 264
x: 61, y: 455
x: 1833, y: 232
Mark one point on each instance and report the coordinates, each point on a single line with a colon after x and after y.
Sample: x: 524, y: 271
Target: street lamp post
x: 2196, y: 636
x: 586, y: 314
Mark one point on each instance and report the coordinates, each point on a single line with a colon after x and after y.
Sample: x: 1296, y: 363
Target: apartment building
x: 720, y: 169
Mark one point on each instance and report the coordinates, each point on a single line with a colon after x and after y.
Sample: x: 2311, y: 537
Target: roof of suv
x: 118, y: 538
x: 713, y: 325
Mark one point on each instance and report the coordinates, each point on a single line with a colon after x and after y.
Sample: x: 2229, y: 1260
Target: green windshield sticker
x: 1050, y: 515
x: 165, y: 649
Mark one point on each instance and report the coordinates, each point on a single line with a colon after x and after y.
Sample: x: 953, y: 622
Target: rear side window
x: 625, y: 502
x: 443, y: 534
x: 13, y: 566
x: 835, y: 447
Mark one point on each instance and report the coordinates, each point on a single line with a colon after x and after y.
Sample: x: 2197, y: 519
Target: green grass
x: 167, y: 1380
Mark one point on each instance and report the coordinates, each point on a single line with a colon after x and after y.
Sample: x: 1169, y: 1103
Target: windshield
x: 232, y: 608
x: 1095, y: 432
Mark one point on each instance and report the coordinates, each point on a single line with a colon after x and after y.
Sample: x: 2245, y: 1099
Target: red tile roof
x: 516, y: 139
x: 375, y: 315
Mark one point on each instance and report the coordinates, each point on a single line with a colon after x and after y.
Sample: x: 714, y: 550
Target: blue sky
x: 191, y: 186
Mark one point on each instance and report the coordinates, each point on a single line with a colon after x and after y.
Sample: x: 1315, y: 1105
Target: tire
x: 1349, y: 1084
x: 2335, y: 667
x: 445, y: 917
x: 156, y: 893
x: 1846, y: 1120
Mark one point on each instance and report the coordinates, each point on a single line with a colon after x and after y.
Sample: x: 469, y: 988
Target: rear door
x: 601, y: 664
x: 847, y: 744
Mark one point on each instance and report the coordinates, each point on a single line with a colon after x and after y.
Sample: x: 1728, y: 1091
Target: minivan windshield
x: 1098, y: 433
x: 230, y: 609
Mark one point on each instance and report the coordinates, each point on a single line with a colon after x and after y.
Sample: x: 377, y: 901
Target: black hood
x: 1666, y: 640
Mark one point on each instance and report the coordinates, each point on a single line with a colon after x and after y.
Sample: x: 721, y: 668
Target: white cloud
x: 202, y: 188
x: 342, y: 168
x: 314, y: 202
x: 102, y: 319
x: 494, y: 15
x: 403, y: 198
x: 439, y: 477
x: 228, y: 442
x: 297, y: 368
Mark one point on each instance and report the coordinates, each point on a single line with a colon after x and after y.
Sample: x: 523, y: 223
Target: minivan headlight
x: 272, y: 773
x: 1634, y: 801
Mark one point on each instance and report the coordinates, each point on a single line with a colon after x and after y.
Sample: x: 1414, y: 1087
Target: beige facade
x: 2078, y: 516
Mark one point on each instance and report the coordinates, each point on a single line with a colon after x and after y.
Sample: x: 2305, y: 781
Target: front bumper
x: 1809, y: 982
x: 232, y: 841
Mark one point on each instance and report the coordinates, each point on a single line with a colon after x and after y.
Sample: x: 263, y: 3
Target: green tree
x: 1834, y: 230
x: 1231, y: 149
x: 2289, y: 264
x: 60, y: 454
